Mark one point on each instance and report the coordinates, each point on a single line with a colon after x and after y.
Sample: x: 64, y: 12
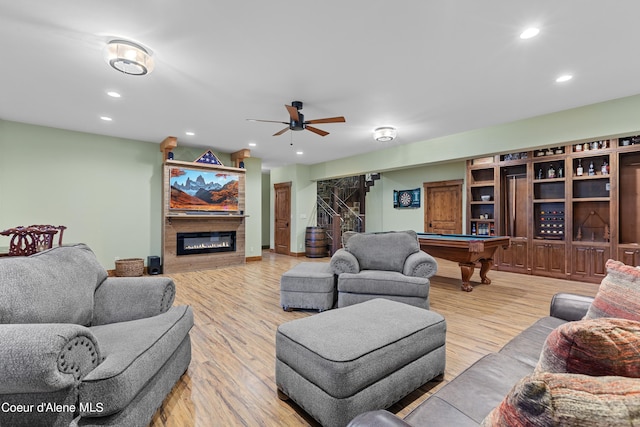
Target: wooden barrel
x: 315, y: 242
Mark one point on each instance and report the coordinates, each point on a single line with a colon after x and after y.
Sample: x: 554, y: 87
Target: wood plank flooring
x: 231, y: 379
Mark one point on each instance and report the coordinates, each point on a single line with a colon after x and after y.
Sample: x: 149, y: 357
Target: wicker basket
x: 129, y: 267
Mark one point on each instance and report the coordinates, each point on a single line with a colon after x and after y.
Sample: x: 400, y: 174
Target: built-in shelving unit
x: 482, y: 201
x: 568, y: 209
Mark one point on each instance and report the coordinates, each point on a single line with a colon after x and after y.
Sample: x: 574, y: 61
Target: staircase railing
x: 332, y: 222
x: 351, y: 220
x: 333, y: 212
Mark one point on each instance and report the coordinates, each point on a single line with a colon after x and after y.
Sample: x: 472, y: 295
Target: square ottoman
x: 340, y: 363
x: 308, y: 285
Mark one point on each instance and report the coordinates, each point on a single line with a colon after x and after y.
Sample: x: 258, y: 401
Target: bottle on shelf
x: 579, y: 170
x: 560, y: 171
x: 592, y: 169
x: 473, y: 228
x: 540, y: 173
x: 551, y: 172
x: 605, y: 168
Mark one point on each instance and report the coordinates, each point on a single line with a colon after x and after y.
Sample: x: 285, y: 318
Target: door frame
x: 427, y: 186
x: 276, y: 187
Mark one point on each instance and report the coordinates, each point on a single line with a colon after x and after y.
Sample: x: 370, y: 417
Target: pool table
x: 467, y: 250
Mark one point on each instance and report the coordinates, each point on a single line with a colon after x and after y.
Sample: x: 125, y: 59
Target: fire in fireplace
x: 206, y: 242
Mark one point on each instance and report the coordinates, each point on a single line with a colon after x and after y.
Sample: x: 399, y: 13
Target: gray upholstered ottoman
x: 310, y: 285
x: 340, y: 363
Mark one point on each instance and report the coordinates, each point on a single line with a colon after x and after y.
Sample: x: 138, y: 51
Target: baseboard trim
x: 253, y: 258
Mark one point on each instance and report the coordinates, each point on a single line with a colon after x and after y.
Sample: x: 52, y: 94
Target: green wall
x: 107, y: 191
x: 266, y: 212
x: 382, y: 216
x: 253, y: 207
x: 303, y: 202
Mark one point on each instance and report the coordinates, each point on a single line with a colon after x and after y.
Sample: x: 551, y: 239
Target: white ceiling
x: 430, y: 68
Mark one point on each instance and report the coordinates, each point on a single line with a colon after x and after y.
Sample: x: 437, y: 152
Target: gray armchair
x: 383, y: 265
x: 80, y: 348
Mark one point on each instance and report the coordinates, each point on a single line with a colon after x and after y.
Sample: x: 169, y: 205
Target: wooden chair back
x: 27, y: 241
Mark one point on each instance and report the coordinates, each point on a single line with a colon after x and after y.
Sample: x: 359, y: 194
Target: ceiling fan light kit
x: 296, y: 120
x: 385, y: 133
x: 128, y: 57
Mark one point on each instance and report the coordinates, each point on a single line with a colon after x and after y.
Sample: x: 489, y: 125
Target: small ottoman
x: 309, y: 285
x: 340, y: 363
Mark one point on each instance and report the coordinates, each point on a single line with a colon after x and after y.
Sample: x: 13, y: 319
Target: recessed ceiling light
x: 189, y: 133
x: 113, y: 94
x: 299, y: 153
x: 252, y: 144
x: 529, y: 33
x: 564, y: 78
x: 105, y: 118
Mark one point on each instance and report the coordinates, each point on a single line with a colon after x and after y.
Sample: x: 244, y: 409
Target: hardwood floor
x: 231, y: 380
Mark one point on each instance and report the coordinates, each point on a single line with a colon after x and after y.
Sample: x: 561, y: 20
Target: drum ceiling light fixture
x: 128, y: 57
x: 385, y: 133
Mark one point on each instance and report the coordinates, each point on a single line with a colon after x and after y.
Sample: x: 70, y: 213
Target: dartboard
x: 405, y: 198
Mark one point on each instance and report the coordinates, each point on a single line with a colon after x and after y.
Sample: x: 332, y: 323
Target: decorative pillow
x: 599, y: 347
x: 619, y: 293
x: 382, y: 251
x: 550, y: 399
x: 54, y: 286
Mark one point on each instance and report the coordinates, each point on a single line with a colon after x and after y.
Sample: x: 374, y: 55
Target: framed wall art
x: 406, y: 198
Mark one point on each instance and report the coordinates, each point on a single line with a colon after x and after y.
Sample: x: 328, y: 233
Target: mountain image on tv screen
x: 200, y: 190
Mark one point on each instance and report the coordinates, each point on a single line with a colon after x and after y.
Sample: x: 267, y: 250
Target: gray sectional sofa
x: 468, y: 398
x: 83, y: 349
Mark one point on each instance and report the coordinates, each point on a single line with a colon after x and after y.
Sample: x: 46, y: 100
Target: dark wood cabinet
x: 549, y: 259
x: 515, y: 257
x: 629, y: 254
x: 588, y: 261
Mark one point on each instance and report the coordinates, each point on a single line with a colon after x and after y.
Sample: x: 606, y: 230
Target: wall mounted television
x: 198, y: 190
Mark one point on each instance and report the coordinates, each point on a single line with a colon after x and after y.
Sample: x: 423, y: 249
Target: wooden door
x: 282, y: 233
x: 443, y: 207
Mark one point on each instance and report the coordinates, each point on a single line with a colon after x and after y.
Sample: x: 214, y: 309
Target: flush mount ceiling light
x: 128, y: 57
x: 385, y: 133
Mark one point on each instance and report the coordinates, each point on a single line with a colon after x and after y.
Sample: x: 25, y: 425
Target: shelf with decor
x: 481, y: 198
x: 591, y: 209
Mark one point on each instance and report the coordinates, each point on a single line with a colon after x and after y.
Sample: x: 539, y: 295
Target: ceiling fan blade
x: 281, y: 132
x: 293, y: 112
x: 268, y: 121
x: 328, y: 120
x: 316, y: 130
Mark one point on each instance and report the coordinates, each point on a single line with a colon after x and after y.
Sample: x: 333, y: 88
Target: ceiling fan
x: 297, y: 122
